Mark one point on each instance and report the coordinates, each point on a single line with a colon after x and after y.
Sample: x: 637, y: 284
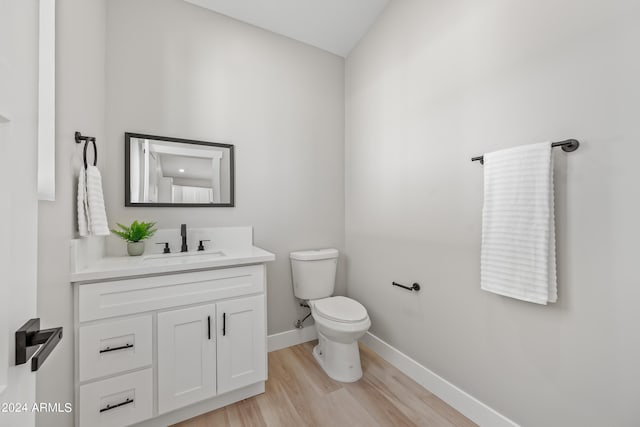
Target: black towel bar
x: 567, y: 145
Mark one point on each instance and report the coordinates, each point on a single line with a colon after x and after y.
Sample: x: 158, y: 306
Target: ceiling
x: 332, y: 25
x: 193, y: 167
x: 194, y: 160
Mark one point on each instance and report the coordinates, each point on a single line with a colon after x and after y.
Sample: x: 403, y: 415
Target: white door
x: 186, y: 356
x: 18, y: 199
x: 241, y: 343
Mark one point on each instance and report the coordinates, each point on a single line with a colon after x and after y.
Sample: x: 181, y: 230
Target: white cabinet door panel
x: 186, y: 356
x: 241, y: 343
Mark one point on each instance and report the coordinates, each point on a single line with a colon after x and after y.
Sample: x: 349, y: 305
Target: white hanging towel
x: 518, y: 225
x: 92, y: 216
x: 83, y: 209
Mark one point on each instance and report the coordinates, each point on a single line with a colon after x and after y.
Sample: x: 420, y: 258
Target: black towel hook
x: 87, y: 139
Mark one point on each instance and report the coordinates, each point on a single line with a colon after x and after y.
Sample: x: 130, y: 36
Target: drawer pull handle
x: 224, y: 324
x: 122, y: 347
x: 209, y: 326
x: 117, y: 405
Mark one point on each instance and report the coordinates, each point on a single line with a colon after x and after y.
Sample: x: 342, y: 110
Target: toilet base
x: 340, y: 361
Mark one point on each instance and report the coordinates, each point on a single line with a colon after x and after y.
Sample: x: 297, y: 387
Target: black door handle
x: 209, y: 326
x: 224, y: 324
x: 30, y: 340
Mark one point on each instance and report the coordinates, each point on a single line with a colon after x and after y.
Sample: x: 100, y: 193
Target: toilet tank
x: 314, y: 273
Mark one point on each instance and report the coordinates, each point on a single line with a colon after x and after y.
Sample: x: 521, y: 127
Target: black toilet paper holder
x: 414, y: 287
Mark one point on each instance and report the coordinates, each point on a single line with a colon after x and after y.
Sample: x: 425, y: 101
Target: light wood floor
x: 299, y: 393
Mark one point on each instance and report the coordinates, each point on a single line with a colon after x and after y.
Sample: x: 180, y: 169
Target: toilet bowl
x: 340, y: 322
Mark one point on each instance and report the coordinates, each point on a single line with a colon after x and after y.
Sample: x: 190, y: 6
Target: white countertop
x: 112, y: 268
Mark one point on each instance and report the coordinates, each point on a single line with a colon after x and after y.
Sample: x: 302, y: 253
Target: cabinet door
x: 241, y: 343
x: 186, y: 356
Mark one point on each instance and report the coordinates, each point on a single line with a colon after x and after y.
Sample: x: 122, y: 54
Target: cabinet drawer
x: 118, y: 401
x: 114, y: 346
x: 122, y: 297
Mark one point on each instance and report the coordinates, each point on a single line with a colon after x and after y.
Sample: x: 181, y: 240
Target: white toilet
x: 340, y: 321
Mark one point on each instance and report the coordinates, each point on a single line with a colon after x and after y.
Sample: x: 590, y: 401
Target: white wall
x: 437, y: 82
x: 18, y: 196
x: 80, y: 105
x: 175, y: 69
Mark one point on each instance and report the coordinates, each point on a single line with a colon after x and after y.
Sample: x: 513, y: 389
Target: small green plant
x: 136, y: 232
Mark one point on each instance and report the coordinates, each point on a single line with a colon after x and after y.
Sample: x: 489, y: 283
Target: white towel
x: 92, y: 216
x: 83, y: 209
x: 518, y: 224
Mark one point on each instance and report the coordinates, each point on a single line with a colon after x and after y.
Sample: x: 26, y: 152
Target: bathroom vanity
x: 164, y: 337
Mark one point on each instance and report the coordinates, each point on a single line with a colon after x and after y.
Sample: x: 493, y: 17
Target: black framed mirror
x: 162, y: 171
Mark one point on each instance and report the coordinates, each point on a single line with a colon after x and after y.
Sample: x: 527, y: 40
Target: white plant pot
x: 135, y: 248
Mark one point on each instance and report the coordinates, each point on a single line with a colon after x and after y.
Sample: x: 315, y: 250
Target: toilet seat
x: 340, y: 309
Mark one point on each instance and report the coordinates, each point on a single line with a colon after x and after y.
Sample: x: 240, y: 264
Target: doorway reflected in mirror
x: 164, y: 171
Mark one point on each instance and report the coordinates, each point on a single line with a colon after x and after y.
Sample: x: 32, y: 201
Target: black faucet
x: 183, y: 233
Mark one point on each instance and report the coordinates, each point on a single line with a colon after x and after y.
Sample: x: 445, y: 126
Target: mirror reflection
x: 162, y: 171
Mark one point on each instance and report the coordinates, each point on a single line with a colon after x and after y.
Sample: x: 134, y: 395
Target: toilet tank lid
x: 314, y: 255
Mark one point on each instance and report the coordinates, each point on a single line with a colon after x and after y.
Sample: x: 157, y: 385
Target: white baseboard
x: 292, y: 337
x: 462, y: 401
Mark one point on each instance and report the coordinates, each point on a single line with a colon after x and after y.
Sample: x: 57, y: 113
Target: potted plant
x: 135, y: 235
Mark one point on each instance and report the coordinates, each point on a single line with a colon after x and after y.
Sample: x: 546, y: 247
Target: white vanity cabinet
x: 160, y: 349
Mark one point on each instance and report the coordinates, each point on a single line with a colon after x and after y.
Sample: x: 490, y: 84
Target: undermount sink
x: 182, y: 257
